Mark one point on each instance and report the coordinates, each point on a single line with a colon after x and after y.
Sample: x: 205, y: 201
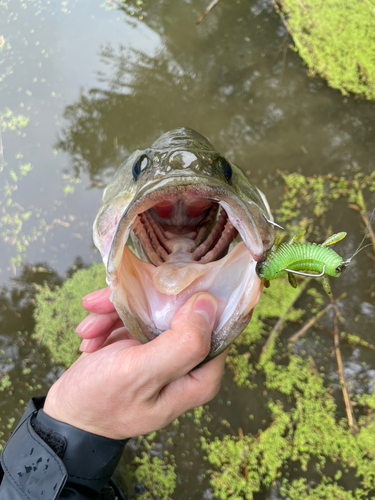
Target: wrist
x: 58, y: 408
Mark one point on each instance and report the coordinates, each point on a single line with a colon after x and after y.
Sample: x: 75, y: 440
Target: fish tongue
x: 173, y: 278
x: 180, y: 270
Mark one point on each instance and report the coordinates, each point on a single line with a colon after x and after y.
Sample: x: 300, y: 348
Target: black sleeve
x: 48, y: 460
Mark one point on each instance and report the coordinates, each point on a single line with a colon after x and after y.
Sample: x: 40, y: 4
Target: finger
x: 96, y: 325
x: 193, y: 389
x: 98, y: 301
x: 92, y: 345
x: 178, y: 350
x: 120, y: 334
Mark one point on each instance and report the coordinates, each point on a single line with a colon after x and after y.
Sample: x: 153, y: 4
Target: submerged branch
x: 348, y: 406
x: 312, y: 321
x: 309, y: 324
x: 209, y: 8
x: 353, y: 339
x: 361, y: 208
x: 280, y: 323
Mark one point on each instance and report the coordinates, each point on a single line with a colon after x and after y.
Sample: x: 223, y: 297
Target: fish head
x: 178, y: 218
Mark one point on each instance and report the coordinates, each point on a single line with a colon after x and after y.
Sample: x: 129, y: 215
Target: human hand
x: 100, y: 323
x: 125, y: 389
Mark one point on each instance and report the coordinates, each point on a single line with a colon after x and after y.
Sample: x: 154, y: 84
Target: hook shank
x: 306, y: 274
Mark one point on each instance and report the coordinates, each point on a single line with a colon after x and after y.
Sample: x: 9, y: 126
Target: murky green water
x: 82, y: 84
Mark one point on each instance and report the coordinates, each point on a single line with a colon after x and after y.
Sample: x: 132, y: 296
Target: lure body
x: 306, y: 257
x: 286, y: 258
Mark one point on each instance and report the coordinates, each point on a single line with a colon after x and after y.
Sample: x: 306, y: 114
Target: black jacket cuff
x: 89, y: 459
x: 31, y: 465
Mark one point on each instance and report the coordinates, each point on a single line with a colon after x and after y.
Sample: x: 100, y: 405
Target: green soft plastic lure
x: 302, y: 259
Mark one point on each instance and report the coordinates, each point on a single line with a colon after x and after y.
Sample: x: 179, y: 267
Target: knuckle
x: 212, y: 390
x: 197, y: 344
x: 171, y: 414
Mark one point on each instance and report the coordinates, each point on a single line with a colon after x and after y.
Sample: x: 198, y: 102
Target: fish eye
x: 227, y: 171
x: 340, y: 268
x: 139, y: 165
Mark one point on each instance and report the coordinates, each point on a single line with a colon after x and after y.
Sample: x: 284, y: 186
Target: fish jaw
x: 173, y: 223
x: 147, y: 297
x: 147, y: 305
x: 247, y: 217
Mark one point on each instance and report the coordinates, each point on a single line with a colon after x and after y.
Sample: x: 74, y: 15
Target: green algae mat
x: 336, y: 39
x: 59, y: 310
x: 310, y: 446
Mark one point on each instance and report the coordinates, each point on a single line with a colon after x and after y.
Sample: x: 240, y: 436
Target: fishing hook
x: 271, y: 222
x: 307, y: 275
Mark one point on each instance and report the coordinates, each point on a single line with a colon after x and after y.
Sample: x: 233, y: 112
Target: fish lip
x: 225, y: 331
x: 194, y: 185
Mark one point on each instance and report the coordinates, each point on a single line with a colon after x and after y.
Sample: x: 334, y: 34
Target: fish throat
x: 184, y: 231
x: 179, y: 246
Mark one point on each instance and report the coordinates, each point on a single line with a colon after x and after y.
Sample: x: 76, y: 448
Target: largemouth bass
x: 177, y: 219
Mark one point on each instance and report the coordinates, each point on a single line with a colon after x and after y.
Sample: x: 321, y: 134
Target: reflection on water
x: 97, y: 83
x: 246, y: 93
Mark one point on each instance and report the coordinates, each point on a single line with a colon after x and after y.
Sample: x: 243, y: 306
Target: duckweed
x: 303, y: 432
x: 158, y: 477
x: 336, y: 39
x: 318, y: 193
x: 59, y: 310
x: 10, y: 121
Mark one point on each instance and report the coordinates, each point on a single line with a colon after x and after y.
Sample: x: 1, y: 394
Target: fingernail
x: 94, y: 295
x: 84, y: 345
x: 206, y: 305
x: 86, y: 323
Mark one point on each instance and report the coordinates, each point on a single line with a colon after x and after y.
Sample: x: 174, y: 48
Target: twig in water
x: 361, y: 208
x: 274, y: 332
x: 351, y: 339
x: 348, y: 406
x: 209, y: 8
x: 281, y: 47
x: 309, y: 324
x: 312, y: 321
x: 280, y: 323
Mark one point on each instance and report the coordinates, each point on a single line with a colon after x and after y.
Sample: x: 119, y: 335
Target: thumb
x: 178, y: 350
x: 199, y: 312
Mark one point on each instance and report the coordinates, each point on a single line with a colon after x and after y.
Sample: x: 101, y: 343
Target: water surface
x: 93, y: 82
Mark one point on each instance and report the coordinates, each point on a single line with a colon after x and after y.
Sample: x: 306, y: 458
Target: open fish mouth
x: 176, y: 220
x: 182, y: 240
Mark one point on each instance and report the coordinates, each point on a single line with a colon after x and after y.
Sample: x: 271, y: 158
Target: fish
x: 179, y: 218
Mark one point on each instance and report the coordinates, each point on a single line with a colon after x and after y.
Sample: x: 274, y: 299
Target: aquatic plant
x: 336, y: 40
x: 157, y: 476
x: 59, y: 310
x: 303, y: 431
x: 10, y: 121
x: 275, y: 302
x: 318, y: 193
